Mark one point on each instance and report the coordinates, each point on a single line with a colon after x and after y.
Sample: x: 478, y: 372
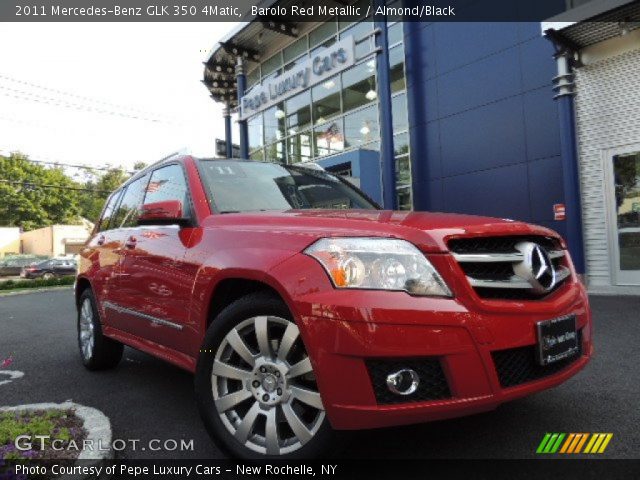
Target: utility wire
x: 85, y: 167
x: 70, y: 165
x: 34, y: 97
x: 60, y: 187
x: 73, y: 95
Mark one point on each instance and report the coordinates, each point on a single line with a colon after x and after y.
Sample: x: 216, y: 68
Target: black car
x: 56, y: 267
x: 14, y: 265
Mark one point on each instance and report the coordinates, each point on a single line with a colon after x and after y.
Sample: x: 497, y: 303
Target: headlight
x: 379, y: 264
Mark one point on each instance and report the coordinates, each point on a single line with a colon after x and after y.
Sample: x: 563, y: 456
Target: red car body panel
x: 173, y: 273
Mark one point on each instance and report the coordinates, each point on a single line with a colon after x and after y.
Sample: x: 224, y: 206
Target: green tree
x: 33, y: 196
x: 98, y: 190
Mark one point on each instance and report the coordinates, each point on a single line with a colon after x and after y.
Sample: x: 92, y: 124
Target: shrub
x: 37, y: 283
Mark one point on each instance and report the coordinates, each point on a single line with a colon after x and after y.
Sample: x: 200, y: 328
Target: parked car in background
x: 56, y: 267
x: 13, y: 265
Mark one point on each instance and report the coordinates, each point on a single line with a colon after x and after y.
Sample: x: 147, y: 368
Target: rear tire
x: 96, y: 351
x: 255, y: 386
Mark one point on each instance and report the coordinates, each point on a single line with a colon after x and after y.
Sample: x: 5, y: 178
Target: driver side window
x: 168, y: 183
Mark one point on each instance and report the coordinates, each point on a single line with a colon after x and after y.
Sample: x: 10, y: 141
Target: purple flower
x: 7, y: 362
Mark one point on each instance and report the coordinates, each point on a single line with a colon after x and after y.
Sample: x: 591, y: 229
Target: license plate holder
x: 557, y: 339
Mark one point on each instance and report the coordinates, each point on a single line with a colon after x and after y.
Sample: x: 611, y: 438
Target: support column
x: 564, y: 87
x: 226, y: 112
x: 242, y: 85
x: 384, y: 105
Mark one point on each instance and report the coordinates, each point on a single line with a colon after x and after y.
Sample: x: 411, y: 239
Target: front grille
x: 505, y: 244
x: 433, y: 383
x: 516, y: 366
x: 488, y: 263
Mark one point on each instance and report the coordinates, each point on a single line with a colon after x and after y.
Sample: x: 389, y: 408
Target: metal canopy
x: 250, y: 40
x: 621, y: 18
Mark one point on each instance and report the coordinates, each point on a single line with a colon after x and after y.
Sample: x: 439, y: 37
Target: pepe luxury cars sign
x: 314, y: 70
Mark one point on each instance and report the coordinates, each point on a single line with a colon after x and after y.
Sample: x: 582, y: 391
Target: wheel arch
x: 82, y: 284
x: 230, y: 288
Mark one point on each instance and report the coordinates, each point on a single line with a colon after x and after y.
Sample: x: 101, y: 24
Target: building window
x: 295, y: 50
x: 399, y: 112
x: 298, y: 110
x: 359, y: 32
x: 396, y: 68
x: 299, y: 148
x: 272, y: 64
x: 322, y: 34
x: 359, y: 85
x: 342, y: 112
x: 257, y: 155
x: 401, y: 144
x: 394, y: 33
x: 276, y: 152
x: 274, y: 123
x: 254, y: 125
x: 361, y: 126
x: 328, y: 138
x: 253, y: 77
x: 326, y: 100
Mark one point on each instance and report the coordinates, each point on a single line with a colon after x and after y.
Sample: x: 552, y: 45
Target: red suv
x: 302, y: 308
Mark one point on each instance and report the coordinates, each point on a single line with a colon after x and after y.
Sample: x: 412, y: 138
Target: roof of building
x: 593, y: 22
x: 249, y: 40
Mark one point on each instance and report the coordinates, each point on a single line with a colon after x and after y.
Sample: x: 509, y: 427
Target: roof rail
x: 171, y: 155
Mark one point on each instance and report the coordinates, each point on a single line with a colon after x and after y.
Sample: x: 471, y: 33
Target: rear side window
x: 108, y: 212
x: 168, y: 183
x: 127, y: 213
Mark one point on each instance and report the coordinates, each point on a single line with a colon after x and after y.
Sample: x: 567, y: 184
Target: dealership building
x: 531, y: 121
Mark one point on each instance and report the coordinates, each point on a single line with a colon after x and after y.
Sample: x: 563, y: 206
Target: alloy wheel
x: 264, y: 388
x: 87, y: 336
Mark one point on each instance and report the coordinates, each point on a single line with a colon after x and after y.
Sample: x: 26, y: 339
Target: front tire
x: 96, y: 351
x: 255, y: 385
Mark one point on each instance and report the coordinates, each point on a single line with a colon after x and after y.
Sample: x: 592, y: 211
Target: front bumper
x: 343, y: 330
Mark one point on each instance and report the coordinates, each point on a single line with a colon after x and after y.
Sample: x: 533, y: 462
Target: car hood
x: 428, y: 230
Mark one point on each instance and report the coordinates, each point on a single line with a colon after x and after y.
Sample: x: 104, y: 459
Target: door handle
x: 131, y: 242
x: 101, y: 240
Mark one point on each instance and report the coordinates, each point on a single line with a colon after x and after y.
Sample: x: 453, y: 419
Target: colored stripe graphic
x: 572, y: 443
x: 607, y: 439
x: 581, y: 442
x: 543, y: 443
x: 567, y: 443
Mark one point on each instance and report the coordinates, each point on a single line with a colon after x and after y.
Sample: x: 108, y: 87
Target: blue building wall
x: 484, y: 126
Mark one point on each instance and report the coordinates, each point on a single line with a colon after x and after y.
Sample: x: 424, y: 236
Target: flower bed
x: 61, y: 427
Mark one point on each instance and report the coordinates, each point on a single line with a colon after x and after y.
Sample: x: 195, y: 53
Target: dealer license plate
x: 557, y: 339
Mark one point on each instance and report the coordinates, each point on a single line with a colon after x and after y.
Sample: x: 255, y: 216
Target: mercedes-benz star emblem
x: 536, y: 268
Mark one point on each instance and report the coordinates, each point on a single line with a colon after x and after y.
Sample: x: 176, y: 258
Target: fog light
x: 403, y: 382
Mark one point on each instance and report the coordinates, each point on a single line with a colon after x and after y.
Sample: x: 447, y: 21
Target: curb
x: 24, y: 291
x: 96, y: 424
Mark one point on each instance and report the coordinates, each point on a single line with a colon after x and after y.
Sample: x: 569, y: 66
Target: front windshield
x: 235, y: 186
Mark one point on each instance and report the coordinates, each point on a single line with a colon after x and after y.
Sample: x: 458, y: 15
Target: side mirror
x: 168, y: 212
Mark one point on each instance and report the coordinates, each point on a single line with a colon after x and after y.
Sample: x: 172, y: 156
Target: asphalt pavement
x: 147, y: 399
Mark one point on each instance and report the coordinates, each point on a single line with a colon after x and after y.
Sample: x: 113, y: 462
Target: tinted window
x: 108, y: 211
x: 127, y: 213
x: 252, y: 186
x: 168, y: 183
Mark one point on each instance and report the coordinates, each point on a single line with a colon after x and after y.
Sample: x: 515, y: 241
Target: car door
x: 155, y: 280
x: 99, y: 257
x: 117, y: 302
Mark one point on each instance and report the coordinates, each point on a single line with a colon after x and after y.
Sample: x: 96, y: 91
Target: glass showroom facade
x: 339, y: 115
x: 479, y: 113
